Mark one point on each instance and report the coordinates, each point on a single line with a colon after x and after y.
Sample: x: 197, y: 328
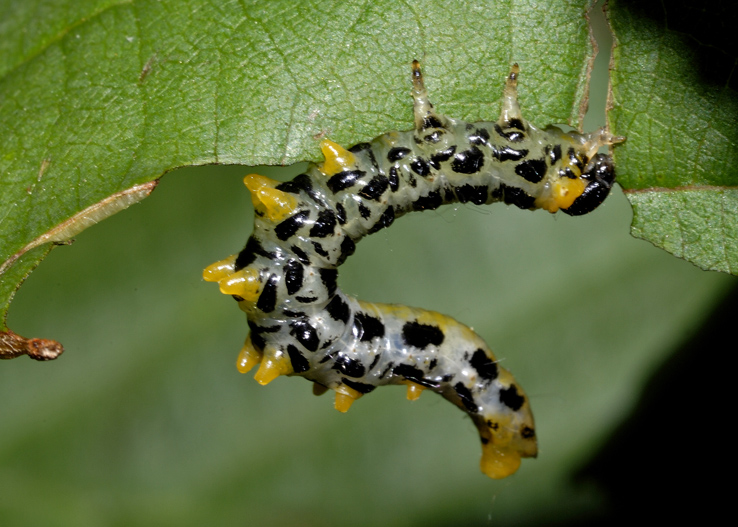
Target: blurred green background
x: 145, y: 421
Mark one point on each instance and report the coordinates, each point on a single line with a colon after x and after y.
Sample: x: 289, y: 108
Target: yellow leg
x: 413, y: 391
x: 249, y: 357
x: 219, y: 270
x: 272, y: 366
x: 345, y: 397
x: 245, y: 283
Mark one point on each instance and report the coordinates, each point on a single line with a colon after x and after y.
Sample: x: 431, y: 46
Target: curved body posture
x: 285, y: 278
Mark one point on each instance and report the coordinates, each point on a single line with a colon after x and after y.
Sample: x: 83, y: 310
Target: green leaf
x: 138, y: 424
x: 674, y: 96
x: 97, y: 97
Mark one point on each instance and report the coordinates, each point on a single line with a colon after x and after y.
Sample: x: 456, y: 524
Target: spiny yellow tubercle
x: 337, y: 158
x: 244, y: 283
x: 272, y: 366
x: 275, y: 204
x: 249, y: 357
x: 217, y: 271
x: 345, y: 397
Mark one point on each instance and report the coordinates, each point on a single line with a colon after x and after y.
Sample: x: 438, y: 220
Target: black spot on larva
x: 338, y: 309
x: 486, y: 367
x: 374, y: 362
x: 385, y: 220
x: 306, y: 299
x: 358, y: 386
x: 432, y: 122
x: 527, y: 432
x: 397, y: 153
x: 237, y: 298
x: 473, y: 194
x: 299, y: 362
x: 293, y: 276
x: 430, y: 202
x: 347, y: 249
x: 249, y: 253
x: 305, y: 334
x: 484, y: 440
x: 360, y: 147
x: 394, y: 179
x: 291, y: 225
x: 258, y: 341
x: 411, y: 373
x: 516, y: 123
x: 364, y: 211
x: 555, y: 154
x: 493, y: 425
x: 440, y: 157
x: 510, y: 154
x: 434, y: 136
x: 514, y: 196
x: 479, y: 137
x: 301, y: 255
x: 324, y: 225
x: 257, y: 329
x: 301, y: 182
x: 421, y: 335
x: 511, y: 398
x: 268, y: 297
x: 467, y: 399
x: 387, y: 369
x: 533, y: 169
x: 293, y: 314
x: 344, y: 180
x: 513, y: 136
x: 318, y: 248
x: 573, y: 159
x: 374, y: 188
x: 411, y: 180
x: 340, y: 213
x: 468, y: 161
x: 329, y: 278
x: 348, y: 366
x: 367, y: 327
x: 420, y: 167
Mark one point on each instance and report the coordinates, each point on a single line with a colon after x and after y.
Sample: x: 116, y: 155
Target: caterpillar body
x: 302, y: 324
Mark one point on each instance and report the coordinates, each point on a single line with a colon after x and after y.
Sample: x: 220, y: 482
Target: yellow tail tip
x: 498, y: 463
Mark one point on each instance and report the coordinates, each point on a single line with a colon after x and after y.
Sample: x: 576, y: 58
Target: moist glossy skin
x: 285, y: 279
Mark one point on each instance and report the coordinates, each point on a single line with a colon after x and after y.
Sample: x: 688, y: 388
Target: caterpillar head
x: 599, y: 175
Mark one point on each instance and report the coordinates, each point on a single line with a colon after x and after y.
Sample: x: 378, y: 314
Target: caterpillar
x: 285, y: 278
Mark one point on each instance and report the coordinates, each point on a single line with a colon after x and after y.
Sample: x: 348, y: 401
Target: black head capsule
x: 600, y: 175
